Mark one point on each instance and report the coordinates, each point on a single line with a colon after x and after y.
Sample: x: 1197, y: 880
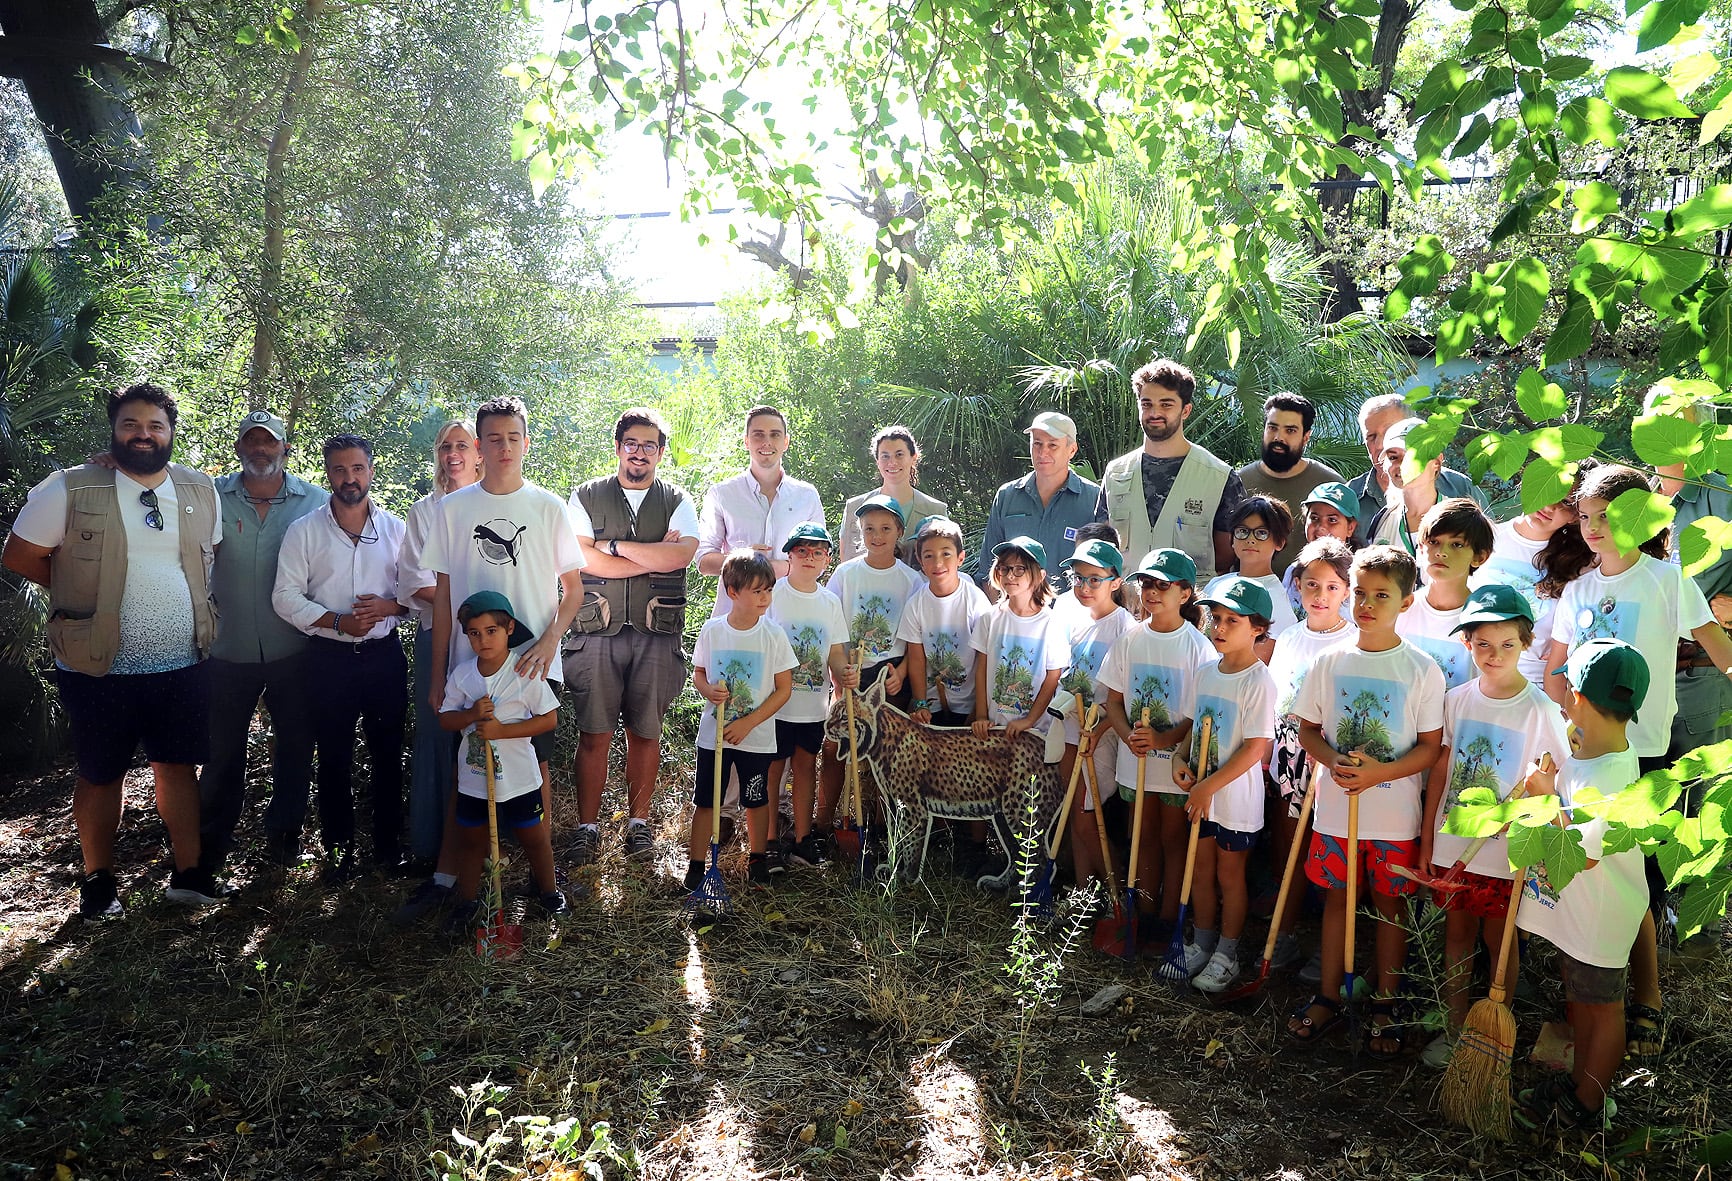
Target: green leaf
x: 1715, y: 121
x: 1665, y: 438
x: 1538, y: 398
x: 1478, y: 812
x: 1473, y: 139
x: 1637, y: 515
x: 1574, y: 332
x: 1567, y: 66
x: 1594, y: 202
x: 1701, y: 542
x: 1565, y: 443
x: 1545, y: 482
x: 1590, y: 119
x: 1526, y: 283
x: 1560, y: 849
x: 1711, y: 209
x: 1639, y: 93
x: 1689, y: 73
x: 1441, y: 84
x: 1715, y: 356
x: 1503, y: 454
x: 1716, y: 1149
x: 1665, y: 20
x: 1427, y: 441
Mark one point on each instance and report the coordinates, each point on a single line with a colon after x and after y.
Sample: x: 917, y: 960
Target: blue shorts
x: 1230, y: 840
x: 793, y: 736
x: 522, y: 811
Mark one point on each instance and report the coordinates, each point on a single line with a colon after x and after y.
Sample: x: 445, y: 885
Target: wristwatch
x: 613, y: 546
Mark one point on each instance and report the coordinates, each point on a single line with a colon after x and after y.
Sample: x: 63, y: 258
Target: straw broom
x: 1475, y: 1092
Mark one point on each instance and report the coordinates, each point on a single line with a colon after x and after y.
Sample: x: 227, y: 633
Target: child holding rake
x: 1373, y: 716
x: 1238, y: 694
x: 1494, y: 729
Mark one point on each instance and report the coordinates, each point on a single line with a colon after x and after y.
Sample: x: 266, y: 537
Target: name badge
x: 1070, y: 534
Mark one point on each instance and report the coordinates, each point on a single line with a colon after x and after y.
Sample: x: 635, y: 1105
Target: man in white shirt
x: 637, y: 534
x: 337, y: 583
x: 126, y: 558
x: 757, y: 509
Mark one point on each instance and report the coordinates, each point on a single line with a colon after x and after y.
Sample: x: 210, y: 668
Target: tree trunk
x: 80, y: 98
x: 269, y: 307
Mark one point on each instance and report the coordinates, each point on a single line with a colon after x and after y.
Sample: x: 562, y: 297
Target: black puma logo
x: 497, y: 549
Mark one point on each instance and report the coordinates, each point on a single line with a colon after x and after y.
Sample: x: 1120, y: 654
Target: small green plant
x: 535, y: 1142
x: 1104, y: 1123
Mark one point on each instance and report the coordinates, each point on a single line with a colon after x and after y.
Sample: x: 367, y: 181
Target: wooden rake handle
x: 1137, y: 815
x: 1070, y: 790
x: 1292, y: 861
x: 716, y: 784
x: 1205, y: 732
x: 1352, y: 884
x: 1094, y: 791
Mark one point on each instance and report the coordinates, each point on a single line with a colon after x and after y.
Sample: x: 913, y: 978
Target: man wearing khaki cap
x: 1049, y: 504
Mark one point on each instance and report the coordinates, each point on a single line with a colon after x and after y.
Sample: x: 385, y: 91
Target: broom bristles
x: 1475, y: 1091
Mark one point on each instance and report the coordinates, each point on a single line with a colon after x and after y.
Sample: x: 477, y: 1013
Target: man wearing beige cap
x: 1049, y: 504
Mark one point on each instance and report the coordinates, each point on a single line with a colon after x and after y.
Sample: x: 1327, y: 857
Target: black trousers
x: 235, y: 690
x: 366, y: 683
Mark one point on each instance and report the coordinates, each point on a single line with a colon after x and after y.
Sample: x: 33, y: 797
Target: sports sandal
x: 1554, y: 1103
x: 1645, y: 1039
x: 1378, y: 1036
x: 1310, y: 1030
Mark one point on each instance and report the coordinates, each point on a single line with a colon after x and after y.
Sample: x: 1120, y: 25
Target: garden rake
x: 848, y: 841
x: 1117, y: 934
x: 711, y: 894
x: 495, y: 939
x: 1173, y: 968
x: 1039, y: 897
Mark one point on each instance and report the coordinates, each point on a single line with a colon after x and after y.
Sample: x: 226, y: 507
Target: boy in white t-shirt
x: 1593, y: 920
x: 493, y: 704
x: 936, y: 625
x: 1494, y: 728
x: 1373, y: 716
x: 1237, y: 695
x: 1455, y: 539
x: 743, y: 664
x: 817, y: 630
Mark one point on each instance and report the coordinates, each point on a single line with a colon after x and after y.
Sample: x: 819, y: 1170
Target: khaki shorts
x: 633, y: 676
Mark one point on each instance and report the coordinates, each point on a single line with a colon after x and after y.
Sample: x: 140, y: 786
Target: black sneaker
x: 283, y: 848
x: 586, y: 845
x: 99, y: 896
x: 694, y: 874
x: 555, y: 904
x: 462, y: 918
x: 639, y: 841
x: 758, y: 870
x: 777, y: 862
x: 809, y: 851
x: 427, y: 898
x: 195, y: 887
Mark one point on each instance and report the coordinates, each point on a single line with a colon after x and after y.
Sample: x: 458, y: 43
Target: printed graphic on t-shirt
x: 810, y: 651
x: 1225, y: 718
x: 498, y: 540
x: 1152, y: 687
x: 1538, y: 886
x: 1609, y: 618
x: 1484, y: 755
x: 739, y: 671
x: 474, y: 754
x: 1085, y: 665
x: 946, y: 654
x: 1450, y: 655
x: 874, y: 622
x: 1013, y: 679
x: 1366, y: 705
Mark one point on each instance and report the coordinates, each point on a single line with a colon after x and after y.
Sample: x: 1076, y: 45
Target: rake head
x: 711, y: 895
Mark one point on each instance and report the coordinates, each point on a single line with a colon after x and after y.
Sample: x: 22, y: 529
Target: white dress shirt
x: 320, y: 569
x: 737, y: 513
x: 411, y: 575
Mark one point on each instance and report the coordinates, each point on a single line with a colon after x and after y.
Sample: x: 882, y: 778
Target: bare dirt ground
x: 825, y: 1031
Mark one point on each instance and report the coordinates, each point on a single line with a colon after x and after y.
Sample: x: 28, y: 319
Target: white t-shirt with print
x: 1090, y: 641
x: 1492, y: 742
x: 516, y: 771
x: 874, y: 600
x: 1295, y: 653
x: 814, y: 623
x: 517, y: 544
x: 1595, y: 918
x: 156, y: 625
x: 1020, y: 651
x: 747, y: 661
x: 1650, y: 606
x: 1512, y: 565
x: 942, y: 627
x: 1154, y: 669
x: 1242, y: 707
x: 1382, y: 702
x: 1427, y: 628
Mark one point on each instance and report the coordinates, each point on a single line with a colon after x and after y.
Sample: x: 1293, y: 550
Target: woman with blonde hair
x: 456, y: 464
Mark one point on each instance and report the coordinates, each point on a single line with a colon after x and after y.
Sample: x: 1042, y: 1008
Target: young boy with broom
x: 492, y: 704
x: 1494, y: 728
x: 1593, y: 920
x: 742, y: 662
x: 1372, y: 715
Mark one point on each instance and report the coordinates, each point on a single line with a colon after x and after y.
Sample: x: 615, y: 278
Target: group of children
x: 1387, y: 693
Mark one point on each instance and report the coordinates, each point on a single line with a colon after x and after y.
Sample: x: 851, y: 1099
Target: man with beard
x: 1049, y: 504
x: 637, y: 535
x: 126, y: 557
x: 256, y: 654
x: 1170, y: 493
x: 1284, y: 473
x: 337, y: 582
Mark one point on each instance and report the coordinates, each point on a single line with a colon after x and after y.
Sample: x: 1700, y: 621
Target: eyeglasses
x: 1012, y: 570
x: 153, y: 518
x: 1090, y: 580
x: 1244, y: 534
x: 1159, y: 585
x: 633, y: 447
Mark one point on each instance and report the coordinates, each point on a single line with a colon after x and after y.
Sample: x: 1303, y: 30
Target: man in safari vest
x: 637, y: 535
x: 1170, y: 493
x: 126, y: 556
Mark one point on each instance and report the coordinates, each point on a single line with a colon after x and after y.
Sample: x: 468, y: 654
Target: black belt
x: 389, y: 638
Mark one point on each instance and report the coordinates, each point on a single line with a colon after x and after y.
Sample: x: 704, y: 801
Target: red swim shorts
x: 1326, y: 865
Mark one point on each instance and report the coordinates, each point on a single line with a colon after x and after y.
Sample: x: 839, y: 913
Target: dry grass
x: 825, y: 1031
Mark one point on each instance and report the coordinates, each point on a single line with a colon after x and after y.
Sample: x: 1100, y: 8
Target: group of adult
x: 177, y: 602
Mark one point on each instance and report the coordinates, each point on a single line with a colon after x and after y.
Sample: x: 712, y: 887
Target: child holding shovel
x: 1372, y: 714
x: 1494, y: 728
x: 490, y: 703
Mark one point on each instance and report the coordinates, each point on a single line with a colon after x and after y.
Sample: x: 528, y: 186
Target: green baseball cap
x: 807, y: 533
x: 1237, y: 593
x: 1100, y: 553
x: 1337, y: 496
x: 482, y: 602
x: 1609, y: 673
x: 1168, y: 565
x: 881, y: 501
x: 1027, y: 545
x: 1493, y: 603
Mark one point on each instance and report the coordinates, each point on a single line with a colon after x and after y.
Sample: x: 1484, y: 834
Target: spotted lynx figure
x: 948, y: 773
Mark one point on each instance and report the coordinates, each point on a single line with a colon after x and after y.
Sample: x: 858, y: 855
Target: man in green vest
x: 126, y: 556
x: 637, y: 535
x: 1170, y: 493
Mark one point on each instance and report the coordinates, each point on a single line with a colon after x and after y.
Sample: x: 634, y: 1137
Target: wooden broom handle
x: 1499, y: 993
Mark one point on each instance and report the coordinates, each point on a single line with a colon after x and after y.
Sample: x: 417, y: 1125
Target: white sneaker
x: 1312, y: 972
x: 1195, y: 958
x: 1221, y: 970
x: 1441, y: 1049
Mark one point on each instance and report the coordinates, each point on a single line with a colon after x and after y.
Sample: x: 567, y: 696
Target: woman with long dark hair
x: 897, y: 457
